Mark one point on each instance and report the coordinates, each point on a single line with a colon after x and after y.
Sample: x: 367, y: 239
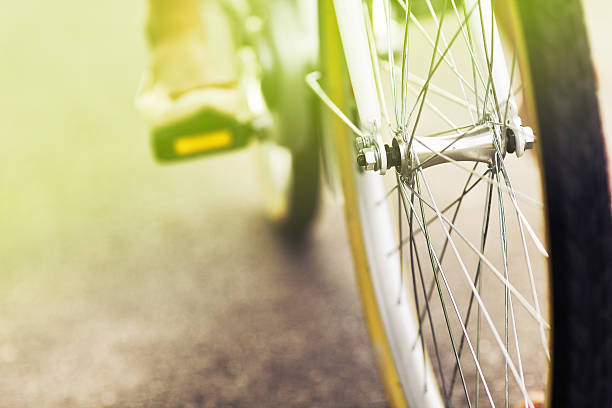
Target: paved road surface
x: 127, y: 284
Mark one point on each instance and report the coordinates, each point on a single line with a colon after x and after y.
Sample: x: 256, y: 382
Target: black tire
x: 576, y: 185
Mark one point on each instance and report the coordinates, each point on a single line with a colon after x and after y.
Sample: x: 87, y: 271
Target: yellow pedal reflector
x: 202, y: 142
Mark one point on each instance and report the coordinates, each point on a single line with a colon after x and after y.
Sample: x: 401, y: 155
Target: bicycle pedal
x: 205, y: 133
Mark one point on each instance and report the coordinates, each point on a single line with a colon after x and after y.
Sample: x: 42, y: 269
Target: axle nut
x: 370, y: 159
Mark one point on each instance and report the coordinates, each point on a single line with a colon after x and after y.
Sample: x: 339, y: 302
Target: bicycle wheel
x: 491, y: 272
x: 289, y: 160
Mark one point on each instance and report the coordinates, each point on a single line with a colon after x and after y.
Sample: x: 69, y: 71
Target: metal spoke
x: 503, y: 187
x: 527, y: 257
x: 429, y: 75
x: 504, y: 251
x: 520, y: 221
x: 444, y: 132
x: 489, y: 60
x: 445, y: 246
x: 477, y: 281
x: 417, y: 80
x: 487, y: 262
x: 387, y: 195
x: 457, y: 201
x: 387, y: 9
x: 376, y: 65
x: 475, y: 67
x: 437, y: 271
x: 312, y: 79
x: 436, y: 110
x: 509, y: 91
x: 401, y: 252
x: 414, y: 254
x: 432, y: 70
x: 478, y: 298
x: 530, y: 230
x: 478, y: 270
x: 507, y: 298
x: 468, y: 42
x: 452, y: 67
x: 405, y: 52
x: 450, y: 53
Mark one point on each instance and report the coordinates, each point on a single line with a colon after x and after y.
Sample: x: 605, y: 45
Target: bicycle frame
x: 409, y: 362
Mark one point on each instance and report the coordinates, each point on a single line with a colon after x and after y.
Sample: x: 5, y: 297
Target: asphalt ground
x: 128, y: 284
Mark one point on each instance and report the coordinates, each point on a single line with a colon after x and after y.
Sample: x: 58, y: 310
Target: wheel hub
x: 476, y: 144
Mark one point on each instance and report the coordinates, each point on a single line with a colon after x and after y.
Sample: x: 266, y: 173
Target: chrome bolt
x: 362, y: 142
